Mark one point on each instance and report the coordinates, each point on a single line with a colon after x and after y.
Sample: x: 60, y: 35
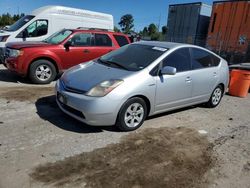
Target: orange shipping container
x: 229, y: 29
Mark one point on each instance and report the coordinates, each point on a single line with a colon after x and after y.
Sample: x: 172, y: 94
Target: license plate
x: 61, y: 98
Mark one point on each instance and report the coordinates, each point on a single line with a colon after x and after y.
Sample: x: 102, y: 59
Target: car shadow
x: 8, y: 76
x: 48, y: 110
x: 174, y: 111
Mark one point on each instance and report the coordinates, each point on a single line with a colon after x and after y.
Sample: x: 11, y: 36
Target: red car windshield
x: 58, y: 37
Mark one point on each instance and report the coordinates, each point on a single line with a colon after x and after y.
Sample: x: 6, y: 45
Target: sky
x: 144, y: 12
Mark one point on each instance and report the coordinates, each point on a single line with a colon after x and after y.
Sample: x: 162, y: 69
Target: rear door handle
x: 86, y: 51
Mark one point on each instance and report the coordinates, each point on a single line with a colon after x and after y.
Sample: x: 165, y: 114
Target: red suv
x: 42, y: 61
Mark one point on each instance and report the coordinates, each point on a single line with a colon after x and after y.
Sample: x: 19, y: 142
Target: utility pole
x: 159, y: 23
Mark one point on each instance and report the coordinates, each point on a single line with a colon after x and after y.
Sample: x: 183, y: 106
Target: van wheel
x: 215, y: 97
x: 132, y: 114
x: 42, y: 72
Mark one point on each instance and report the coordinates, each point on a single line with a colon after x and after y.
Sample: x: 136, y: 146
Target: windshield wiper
x: 110, y: 63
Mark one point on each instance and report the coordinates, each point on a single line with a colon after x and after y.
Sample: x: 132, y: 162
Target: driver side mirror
x: 168, y: 70
x: 67, y: 45
x: 24, y: 34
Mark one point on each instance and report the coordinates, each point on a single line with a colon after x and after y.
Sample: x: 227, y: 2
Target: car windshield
x: 58, y: 37
x: 133, y: 57
x: 20, y: 23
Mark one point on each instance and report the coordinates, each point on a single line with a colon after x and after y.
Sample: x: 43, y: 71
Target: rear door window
x: 180, y: 59
x: 121, y: 40
x: 102, y: 40
x: 203, y: 59
x: 82, y: 39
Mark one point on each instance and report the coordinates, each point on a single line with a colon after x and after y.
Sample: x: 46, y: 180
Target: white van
x: 45, y: 21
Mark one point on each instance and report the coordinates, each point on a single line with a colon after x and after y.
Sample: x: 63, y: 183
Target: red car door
x: 85, y: 47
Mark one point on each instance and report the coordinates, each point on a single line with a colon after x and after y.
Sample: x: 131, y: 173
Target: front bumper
x: 2, y: 53
x: 98, y: 111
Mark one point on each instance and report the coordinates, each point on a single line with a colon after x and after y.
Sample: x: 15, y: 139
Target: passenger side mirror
x: 168, y: 70
x: 67, y: 45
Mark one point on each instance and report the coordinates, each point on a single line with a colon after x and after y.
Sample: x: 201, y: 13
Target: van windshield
x: 20, y: 23
x: 58, y: 37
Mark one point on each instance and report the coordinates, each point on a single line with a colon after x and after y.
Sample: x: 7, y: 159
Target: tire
x: 215, y: 97
x: 135, y: 111
x: 42, y: 72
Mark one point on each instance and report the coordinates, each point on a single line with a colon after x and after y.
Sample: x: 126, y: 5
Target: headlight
x: 15, y: 53
x: 104, y: 88
x: 4, y: 38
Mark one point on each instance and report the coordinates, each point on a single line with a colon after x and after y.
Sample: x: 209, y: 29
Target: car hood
x: 19, y: 45
x: 85, y: 76
x: 4, y: 33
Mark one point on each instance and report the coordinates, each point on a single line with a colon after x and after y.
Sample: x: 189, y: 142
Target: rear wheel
x: 132, y: 114
x: 42, y: 72
x: 215, y: 97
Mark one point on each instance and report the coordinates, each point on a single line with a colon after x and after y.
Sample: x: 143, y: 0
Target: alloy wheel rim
x: 134, y: 115
x: 43, y: 72
x: 216, y: 96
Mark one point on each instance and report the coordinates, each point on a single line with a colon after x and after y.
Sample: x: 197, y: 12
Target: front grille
x: 70, y: 109
x: 2, y: 52
x: 71, y: 89
x: 7, y: 53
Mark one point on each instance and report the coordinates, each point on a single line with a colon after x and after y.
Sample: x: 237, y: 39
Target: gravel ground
x: 37, y: 141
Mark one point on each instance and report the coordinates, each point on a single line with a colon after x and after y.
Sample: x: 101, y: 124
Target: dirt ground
x: 192, y: 147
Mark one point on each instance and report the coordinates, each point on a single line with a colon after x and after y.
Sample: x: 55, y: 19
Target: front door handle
x: 86, y: 51
x: 215, y: 74
x: 188, y: 79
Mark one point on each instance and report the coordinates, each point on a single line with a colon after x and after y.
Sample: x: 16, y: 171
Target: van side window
x: 121, y: 40
x: 102, y: 40
x: 180, y: 59
x: 203, y: 59
x: 36, y: 29
x: 82, y: 39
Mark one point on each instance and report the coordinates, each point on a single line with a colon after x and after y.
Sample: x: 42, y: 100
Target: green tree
x: 152, y: 29
x: 164, y: 30
x: 145, y: 31
x: 116, y: 29
x: 7, y: 19
x: 126, y: 23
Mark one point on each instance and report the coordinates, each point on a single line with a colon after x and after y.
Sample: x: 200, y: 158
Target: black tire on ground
x: 216, y: 97
x: 42, y: 72
x: 135, y: 111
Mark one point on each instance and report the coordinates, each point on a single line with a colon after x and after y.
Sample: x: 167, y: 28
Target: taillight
x: 4, y: 38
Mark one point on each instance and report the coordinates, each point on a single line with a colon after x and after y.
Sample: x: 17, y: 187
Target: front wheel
x: 42, y: 72
x: 215, y: 97
x: 132, y: 114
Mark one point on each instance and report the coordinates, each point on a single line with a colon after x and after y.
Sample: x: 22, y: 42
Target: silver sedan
x: 142, y: 79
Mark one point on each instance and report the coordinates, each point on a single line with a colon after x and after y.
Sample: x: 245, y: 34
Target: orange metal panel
x: 229, y: 29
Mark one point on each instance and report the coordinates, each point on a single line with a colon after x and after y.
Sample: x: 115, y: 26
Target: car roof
x: 97, y: 31
x: 168, y: 45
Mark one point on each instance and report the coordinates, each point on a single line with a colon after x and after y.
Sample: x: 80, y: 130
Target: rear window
x: 121, y: 40
x: 203, y: 59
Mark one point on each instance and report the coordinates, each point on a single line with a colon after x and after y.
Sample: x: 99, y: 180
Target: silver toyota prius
x: 142, y: 79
